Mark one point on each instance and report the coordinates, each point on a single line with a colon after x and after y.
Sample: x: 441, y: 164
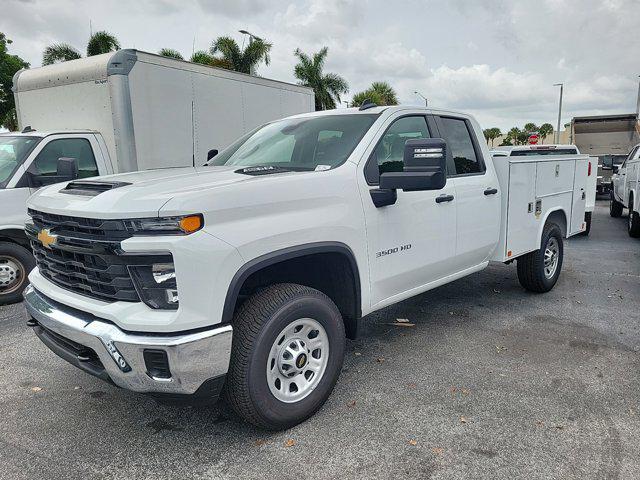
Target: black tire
x: 14, y: 280
x: 587, y: 221
x: 256, y: 326
x: 634, y: 221
x: 531, y: 267
x: 615, y: 207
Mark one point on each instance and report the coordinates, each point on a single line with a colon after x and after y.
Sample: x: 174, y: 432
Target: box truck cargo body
x: 152, y: 111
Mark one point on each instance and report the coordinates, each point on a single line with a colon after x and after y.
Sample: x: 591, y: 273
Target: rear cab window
x: 463, y: 153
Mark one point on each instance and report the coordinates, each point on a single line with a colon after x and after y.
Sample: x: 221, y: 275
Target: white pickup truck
x: 245, y: 275
x: 115, y: 113
x: 625, y: 191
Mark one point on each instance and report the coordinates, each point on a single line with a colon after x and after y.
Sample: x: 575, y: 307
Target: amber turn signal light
x: 191, y: 224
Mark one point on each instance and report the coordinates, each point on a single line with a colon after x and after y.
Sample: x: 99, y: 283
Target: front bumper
x: 100, y: 348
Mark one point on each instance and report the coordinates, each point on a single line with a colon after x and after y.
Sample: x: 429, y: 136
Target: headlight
x: 184, y: 225
x: 156, y: 285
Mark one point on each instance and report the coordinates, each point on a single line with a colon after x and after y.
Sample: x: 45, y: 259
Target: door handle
x: 491, y: 191
x: 444, y: 198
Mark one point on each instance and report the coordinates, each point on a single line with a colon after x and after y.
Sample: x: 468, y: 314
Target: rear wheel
x: 587, y: 221
x: 538, y: 271
x: 15, y: 264
x: 287, y: 353
x: 634, y: 221
x: 615, y: 207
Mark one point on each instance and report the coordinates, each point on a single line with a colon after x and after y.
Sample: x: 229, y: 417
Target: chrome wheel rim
x: 630, y: 217
x: 551, y: 255
x: 11, y: 274
x: 297, y: 360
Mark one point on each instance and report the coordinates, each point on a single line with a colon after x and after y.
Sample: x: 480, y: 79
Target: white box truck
x: 245, y: 275
x: 121, y: 112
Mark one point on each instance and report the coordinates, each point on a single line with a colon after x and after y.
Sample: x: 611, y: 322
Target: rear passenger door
x: 477, y: 197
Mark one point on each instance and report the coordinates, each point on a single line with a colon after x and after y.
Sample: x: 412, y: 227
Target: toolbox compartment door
x: 579, y: 197
x: 522, y: 225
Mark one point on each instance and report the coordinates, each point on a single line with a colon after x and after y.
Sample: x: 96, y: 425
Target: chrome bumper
x: 112, y: 354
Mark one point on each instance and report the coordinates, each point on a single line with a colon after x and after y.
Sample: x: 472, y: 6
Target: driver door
x: 410, y: 243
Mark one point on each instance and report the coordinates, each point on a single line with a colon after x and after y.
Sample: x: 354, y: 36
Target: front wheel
x: 286, y: 356
x: 538, y: 271
x: 15, y: 264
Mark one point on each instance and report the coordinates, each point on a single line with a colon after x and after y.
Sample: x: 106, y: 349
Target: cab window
x: 457, y: 133
x: 389, y: 152
x: 46, y: 163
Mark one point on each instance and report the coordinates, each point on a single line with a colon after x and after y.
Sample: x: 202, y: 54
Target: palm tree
x: 227, y: 51
x: 380, y: 93
x: 327, y: 86
x: 545, y: 130
x: 514, y: 135
x: 171, y: 53
x: 491, y: 134
x: 99, y: 42
x: 204, y: 58
x: 530, y: 127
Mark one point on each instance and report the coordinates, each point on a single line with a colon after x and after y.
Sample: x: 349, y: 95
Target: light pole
x: 557, y: 136
x: 252, y: 37
x: 426, y: 102
x: 638, y: 102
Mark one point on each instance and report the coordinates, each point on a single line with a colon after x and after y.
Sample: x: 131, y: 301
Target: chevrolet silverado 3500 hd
x: 246, y: 274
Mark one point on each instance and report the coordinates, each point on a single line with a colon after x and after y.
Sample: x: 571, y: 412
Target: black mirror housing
x: 67, y: 169
x: 425, y: 166
x: 615, y: 168
x: 212, y: 153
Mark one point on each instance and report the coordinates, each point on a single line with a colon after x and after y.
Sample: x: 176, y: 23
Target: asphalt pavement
x: 490, y: 382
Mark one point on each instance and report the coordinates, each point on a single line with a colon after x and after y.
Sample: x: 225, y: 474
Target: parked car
x: 606, y: 165
x: 626, y: 191
x: 120, y: 112
x: 246, y: 274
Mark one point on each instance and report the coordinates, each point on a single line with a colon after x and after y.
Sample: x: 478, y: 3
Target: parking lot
x: 490, y: 382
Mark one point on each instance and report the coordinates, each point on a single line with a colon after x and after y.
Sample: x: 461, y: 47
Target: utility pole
x: 426, y: 102
x: 252, y: 37
x: 638, y: 102
x: 557, y: 136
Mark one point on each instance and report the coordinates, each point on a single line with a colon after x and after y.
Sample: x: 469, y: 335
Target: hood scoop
x: 90, y: 188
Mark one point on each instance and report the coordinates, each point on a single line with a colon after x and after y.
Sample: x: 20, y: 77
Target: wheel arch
x: 557, y: 216
x: 14, y: 234
x: 330, y: 267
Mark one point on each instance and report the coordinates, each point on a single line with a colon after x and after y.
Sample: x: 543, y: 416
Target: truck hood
x: 139, y: 194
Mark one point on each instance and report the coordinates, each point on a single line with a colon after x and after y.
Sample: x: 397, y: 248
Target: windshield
x: 13, y: 151
x: 554, y: 151
x: 316, y: 143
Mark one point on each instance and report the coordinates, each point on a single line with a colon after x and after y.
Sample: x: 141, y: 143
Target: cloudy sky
x: 495, y: 58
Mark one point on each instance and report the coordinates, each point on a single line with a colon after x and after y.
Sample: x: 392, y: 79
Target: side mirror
x: 67, y: 169
x: 615, y: 168
x: 211, y: 154
x: 425, y: 167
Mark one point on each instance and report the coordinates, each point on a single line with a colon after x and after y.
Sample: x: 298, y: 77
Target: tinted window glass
x: 13, y: 151
x: 460, y: 144
x: 389, y: 152
x: 46, y: 163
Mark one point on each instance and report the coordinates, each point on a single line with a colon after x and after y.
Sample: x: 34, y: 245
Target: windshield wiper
x: 268, y: 169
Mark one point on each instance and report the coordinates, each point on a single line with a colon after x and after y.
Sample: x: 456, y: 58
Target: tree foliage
x: 102, y: 42
x: 327, y: 87
x: 380, y: 93
x: 99, y: 43
x: 59, y: 52
x: 204, y: 58
x: 490, y: 134
x: 545, y: 130
x: 9, y: 65
x: 171, y: 53
x: 227, y: 52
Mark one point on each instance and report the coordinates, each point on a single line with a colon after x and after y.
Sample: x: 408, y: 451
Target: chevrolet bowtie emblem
x: 47, y: 238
